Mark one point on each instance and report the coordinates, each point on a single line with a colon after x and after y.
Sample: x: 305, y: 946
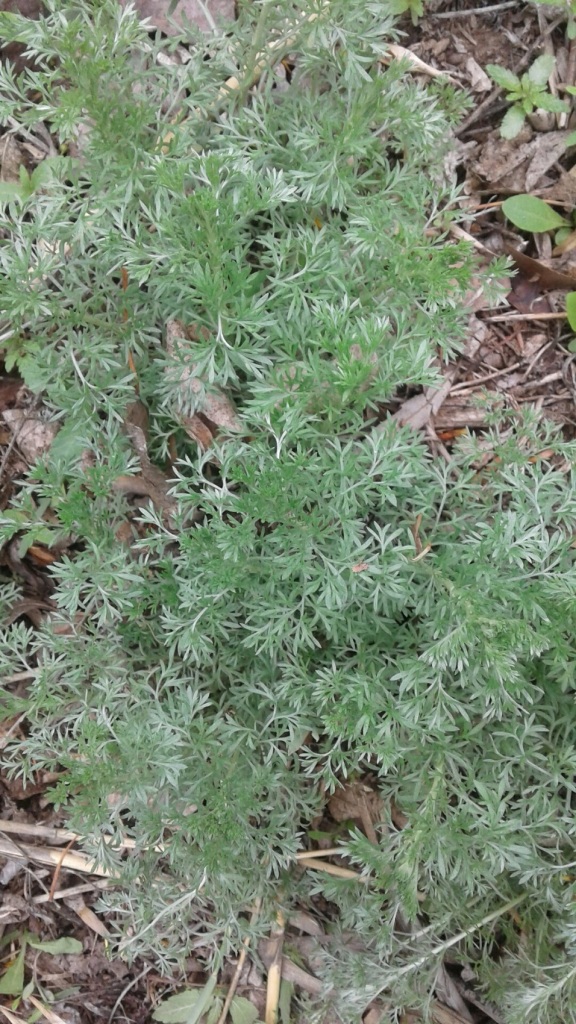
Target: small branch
x: 275, y: 971
x: 241, y: 960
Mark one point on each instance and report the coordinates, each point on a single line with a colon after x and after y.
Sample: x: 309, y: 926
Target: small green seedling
x: 532, y: 214
x: 526, y: 94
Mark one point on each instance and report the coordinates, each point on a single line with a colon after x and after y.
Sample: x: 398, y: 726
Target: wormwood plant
x: 273, y: 633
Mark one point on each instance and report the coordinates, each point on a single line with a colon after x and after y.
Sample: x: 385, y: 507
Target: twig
x: 72, y: 890
x: 18, y: 677
x: 470, y: 385
x: 459, y: 937
x: 331, y: 869
x: 472, y: 10
x: 523, y: 316
x: 45, y: 855
x: 62, y: 835
x: 241, y: 960
x: 56, y: 875
x: 12, y: 1017
x: 272, y: 51
x: 274, y: 978
x: 334, y: 851
x: 57, y: 835
x: 87, y: 916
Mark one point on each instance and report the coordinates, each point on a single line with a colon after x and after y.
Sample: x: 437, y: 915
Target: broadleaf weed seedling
x: 199, y: 688
x: 526, y: 93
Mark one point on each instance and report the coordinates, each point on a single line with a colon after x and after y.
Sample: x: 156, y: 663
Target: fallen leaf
x: 50, y: 1015
x: 211, y: 403
x: 518, y: 166
x: 547, y: 277
x: 417, y: 65
x: 449, y: 994
x: 9, y: 388
x: 15, y: 909
x: 11, y: 159
x: 445, y: 1015
x: 526, y: 295
x: 41, y: 555
x: 351, y: 801
x: 152, y: 482
x: 33, y: 435
x: 416, y: 412
x: 479, y: 80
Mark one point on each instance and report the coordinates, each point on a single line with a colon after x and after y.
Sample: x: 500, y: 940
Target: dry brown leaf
x: 303, y: 922
x: 351, y: 801
x: 204, y: 13
x: 33, y: 435
x: 478, y: 78
x: 518, y: 166
x: 373, y: 1015
x: 152, y: 482
x: 213, y: 404
x: 548, y: 277
x: 416, y: 412
x: 50, y: 1015
x: 11, y: 159
x: 442, y: 1014
x: 76, y: 903
x: 290, y: 970
x: 563, y: 190
x: 449, y: 994
x: 15, y: 908
x: 418, y: 66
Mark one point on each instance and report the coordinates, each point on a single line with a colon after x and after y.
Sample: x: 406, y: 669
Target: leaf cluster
x: 526, y: 93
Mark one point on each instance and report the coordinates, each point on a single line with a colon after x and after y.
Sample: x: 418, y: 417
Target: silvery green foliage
x: 199, y: 690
